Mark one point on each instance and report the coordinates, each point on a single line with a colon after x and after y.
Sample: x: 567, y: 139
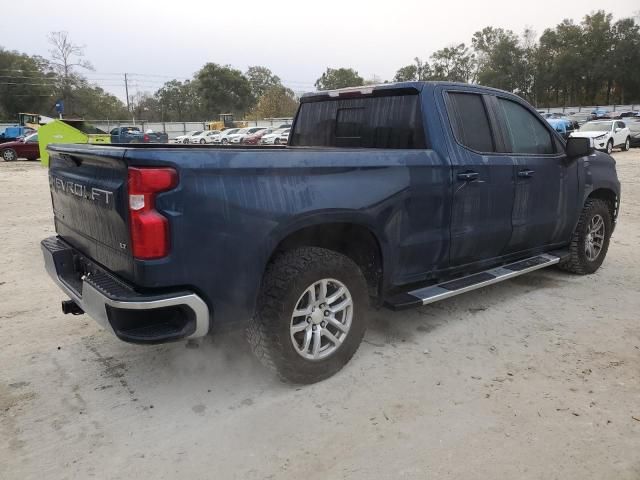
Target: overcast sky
x: 297, y: 39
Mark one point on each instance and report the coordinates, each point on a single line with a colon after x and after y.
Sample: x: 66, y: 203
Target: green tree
x: 261, y: 80
x: 145, y: 106
x: 418, y: 71
x: 334, y: 78
x: 223, y: 89
x: 26, y: 85
x: 598, y: 35
x: 455, y: 64
x: 501, y: 59
x: 92, y: 102
x: 626, y: 59
x: 179, y: 101
x: 277, y: 101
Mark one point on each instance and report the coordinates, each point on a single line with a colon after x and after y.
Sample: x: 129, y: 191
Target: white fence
x: 589, y: 109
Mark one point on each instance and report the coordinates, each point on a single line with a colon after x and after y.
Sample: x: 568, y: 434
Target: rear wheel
x: 610, y: 147
x: 9, y: 155
x: 311, y: 314
x: 627, y: 145
x: 590, y: 240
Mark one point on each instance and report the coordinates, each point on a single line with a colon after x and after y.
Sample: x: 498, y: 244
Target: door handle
x: 468, y: 176
x: 526, y: 173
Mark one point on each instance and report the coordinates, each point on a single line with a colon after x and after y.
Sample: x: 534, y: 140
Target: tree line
x: 593, y: 62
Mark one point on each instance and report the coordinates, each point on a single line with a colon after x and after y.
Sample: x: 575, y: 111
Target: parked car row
x: 237, y: 136
x: 587, y: 116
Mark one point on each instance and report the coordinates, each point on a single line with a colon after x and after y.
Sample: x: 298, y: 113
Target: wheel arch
x: 609, y: 196
x: 355, y: 240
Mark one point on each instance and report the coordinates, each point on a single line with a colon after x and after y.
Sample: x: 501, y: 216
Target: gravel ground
x: 537, y: 377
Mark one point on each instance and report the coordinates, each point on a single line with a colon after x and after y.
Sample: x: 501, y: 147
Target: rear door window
x: 470, y: 121
x: 526, y: 133
x: 386, y: 120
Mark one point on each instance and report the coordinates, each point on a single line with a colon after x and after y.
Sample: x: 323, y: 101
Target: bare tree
x: 66, y: 56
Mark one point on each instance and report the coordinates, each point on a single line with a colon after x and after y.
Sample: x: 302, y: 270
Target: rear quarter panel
x: 234, y: 206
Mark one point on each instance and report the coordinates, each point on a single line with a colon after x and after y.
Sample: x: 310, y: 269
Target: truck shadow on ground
x: 390, y: 327
x: 223, y: 365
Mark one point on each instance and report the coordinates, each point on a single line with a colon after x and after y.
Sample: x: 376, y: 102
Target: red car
x: 255, y: 138
x: 26, y: 147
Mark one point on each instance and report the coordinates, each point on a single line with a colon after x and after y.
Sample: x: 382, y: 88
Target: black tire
x: 285, y: 280
x: 610, y: 147
x: 9, y: 155
x: 186, y: 140
x: 225, y: 141
x: 202, y: 141
x: 626, y: 145
x: 276, y: 141
x: 578, y: 261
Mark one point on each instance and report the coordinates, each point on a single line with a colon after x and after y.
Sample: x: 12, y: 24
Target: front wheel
x: 311, y: 314
x: 610, y: 147
x: 627, y: 145
x: 202, y: 141
x: 186, y: 140
x: 9, y: 155
x: 590, y: 240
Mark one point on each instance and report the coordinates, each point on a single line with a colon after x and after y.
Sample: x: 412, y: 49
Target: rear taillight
x: 149, y: 229
x: 146, y: 138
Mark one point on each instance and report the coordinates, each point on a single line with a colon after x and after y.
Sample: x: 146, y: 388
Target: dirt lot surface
x: 537, y: 377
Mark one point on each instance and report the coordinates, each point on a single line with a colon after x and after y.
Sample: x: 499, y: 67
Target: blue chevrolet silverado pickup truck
x: 392, y: 196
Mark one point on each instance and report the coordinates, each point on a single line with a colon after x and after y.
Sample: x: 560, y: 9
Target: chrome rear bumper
x: 132, y: 316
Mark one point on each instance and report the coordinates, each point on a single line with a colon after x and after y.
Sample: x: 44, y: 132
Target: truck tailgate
x: 89, y: 196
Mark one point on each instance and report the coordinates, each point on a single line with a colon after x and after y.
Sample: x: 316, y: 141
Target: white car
x: 274, y: 138
x: 186, y: 138
x: 283, y: 139
x: 606, y: 134
x: 223, y: 136
x: 204, y: 137
x: 240, y: 135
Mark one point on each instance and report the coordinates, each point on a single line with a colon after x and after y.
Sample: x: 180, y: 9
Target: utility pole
x: 126, y: 89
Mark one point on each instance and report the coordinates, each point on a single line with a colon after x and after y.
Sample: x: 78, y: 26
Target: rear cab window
x: 389, y: 119
x: 470, y: 121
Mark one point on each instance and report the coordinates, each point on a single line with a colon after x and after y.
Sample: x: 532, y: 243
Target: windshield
x: 32, y: 138
x: 596, y: 127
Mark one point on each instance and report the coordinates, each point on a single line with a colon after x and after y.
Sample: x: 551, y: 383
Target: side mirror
x: 579, y: 147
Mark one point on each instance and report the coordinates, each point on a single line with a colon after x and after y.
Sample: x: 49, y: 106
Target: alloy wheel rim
x: 595, y: 238
x: 321, y: 319
x: 8, y: 155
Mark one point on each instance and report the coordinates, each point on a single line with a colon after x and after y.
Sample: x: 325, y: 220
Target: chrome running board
x: 451, y: 288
